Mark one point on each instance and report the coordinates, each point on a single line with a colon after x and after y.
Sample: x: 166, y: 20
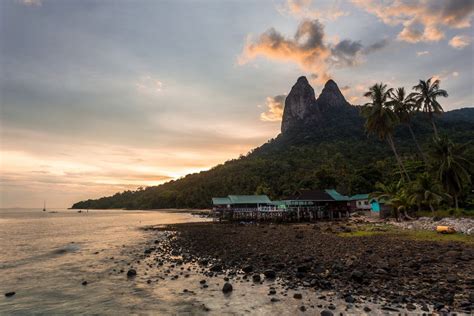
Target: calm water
x: 46, y: 256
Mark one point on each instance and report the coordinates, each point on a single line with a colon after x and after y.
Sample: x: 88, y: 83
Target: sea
x: 46, y: 256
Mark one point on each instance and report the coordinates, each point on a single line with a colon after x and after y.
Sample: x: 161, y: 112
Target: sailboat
x: 44, y: 206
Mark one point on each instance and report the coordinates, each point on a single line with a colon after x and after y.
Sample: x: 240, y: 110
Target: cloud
x: 308, y: 49
x: 422, y: 20
x: 304, y: 9
x: 148, y: 84
x: 460, y: 41
x: 422, y: 53
x: 36, y: 3
x: 275, y: 107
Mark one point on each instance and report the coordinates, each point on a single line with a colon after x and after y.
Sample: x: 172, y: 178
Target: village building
x: 360, y: 202
x: 306, y: 205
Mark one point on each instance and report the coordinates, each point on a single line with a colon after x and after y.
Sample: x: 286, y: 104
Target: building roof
x: 359, y: 197
x: 319, y: 195
x: 337, y: 196
x: 221, y: 201
x: 249, y: 199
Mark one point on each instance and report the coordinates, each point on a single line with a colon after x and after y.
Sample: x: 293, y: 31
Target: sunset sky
x: 102, y: 96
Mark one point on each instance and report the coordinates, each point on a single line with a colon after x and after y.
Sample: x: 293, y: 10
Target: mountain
x: 322, y: 144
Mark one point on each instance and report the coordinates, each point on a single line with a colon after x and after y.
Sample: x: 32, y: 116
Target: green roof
x: 221, y: 201
x: 336, y: 195
x: 359, y: 197
x: 249, y: 199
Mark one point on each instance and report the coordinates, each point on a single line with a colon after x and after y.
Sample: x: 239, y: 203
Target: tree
x: 391, y: 194
x: 425, y: 98
x: 425, y: 190
x: 404, y: 107
x: 452, y: 167
x: 380, y: 119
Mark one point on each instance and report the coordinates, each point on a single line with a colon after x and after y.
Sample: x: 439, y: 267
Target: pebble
x: 10, y: 294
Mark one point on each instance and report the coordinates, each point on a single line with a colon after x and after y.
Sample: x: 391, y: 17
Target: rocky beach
x: 324, y: 267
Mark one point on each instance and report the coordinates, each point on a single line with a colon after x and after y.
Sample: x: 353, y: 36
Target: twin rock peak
x: 302, y: 108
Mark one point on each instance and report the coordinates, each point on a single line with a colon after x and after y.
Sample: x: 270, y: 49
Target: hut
x: 241, y: 206
x: 360, y: 202
x: 316, y: 204
x: 380, y: 208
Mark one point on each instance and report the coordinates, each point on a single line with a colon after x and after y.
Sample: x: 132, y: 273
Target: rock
x: 302, y: 269
x: 272, y: 292
x: 202, y: 282
x: 349, y: 299
x: 410, y: 307
x: 269, y: 274
x: 227, y: 288
x: 274, y: 299
x: 256, y: 278
x: 131, y: 273
x: 367, y: 309
x: 424, y: 307
x: 357, y: 276
x: 298, y: 296
x: 332, y: 307
x: 297, y: 104
x: 10, y: 294
x: 84, y: 283
x: 326, y: 313
x: 216, y: 268
x: 302, y: 308
x: 247, y: 269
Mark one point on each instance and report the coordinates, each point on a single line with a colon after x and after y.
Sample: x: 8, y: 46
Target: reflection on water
x: 45, y: 258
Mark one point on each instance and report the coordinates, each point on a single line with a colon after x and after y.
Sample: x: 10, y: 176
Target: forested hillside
x: 337, y: 155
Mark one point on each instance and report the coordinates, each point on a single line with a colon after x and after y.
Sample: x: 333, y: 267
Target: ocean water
x: 45, y: 257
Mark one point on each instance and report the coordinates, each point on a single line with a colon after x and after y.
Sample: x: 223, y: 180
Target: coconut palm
x: 425, y: 99
x: 452, y: 167
x: 425, y: 190
x: 394, y: 195
x: 404, y: 107
x: 380, y: 119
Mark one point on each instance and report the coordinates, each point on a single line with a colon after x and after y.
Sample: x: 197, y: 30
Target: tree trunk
x: 432, y: 209
x: 399, y: 161
x: 416, y: 143
x: 456, y: 202
x: 434, y: 125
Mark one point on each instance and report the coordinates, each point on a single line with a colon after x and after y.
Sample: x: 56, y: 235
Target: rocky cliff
x: 302, y: 108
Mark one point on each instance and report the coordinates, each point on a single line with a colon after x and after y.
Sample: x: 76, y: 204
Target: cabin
x: 238, y: 206
x: 360, y: 202
x: 316, y: 204
x: 379, y: 208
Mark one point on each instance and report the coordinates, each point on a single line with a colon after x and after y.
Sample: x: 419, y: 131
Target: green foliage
x: 336, y: 154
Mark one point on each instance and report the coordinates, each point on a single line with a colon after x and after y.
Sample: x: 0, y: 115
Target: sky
x: 98, y: 97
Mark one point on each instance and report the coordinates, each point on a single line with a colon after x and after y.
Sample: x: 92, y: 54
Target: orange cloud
x: 304, y: 9
x: 308, y: 49
x: 460, y: 41
x: 275, y: 107
x: 422, y: 20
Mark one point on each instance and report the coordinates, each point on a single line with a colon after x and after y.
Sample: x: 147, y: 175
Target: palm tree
x: 426, y: 191
x: 452, y: 167
x: 395, y: 195
x: 386, y: 192
x: 425, y: 99
x: 380, y: 119
x: 404, y: 107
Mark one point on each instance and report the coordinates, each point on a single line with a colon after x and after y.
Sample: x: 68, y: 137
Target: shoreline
x: 384, y: 271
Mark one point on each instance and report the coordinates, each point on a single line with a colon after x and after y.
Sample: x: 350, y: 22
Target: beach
x: 171, y: 262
